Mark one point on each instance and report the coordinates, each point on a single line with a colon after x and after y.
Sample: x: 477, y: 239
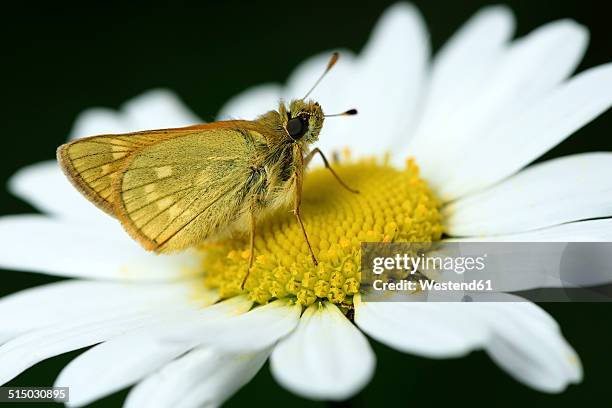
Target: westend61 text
x: 424, y: 284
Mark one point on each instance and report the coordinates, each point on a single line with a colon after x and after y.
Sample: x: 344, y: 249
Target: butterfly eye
x: 297, y: 127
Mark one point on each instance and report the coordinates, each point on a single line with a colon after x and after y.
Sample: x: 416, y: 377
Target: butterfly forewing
x: 174, y: 194
x: 92, y: 163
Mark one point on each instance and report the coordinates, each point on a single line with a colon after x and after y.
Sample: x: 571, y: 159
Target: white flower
x: 480, y: 111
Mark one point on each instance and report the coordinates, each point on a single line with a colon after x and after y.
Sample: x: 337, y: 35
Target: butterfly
x: 173, y: 189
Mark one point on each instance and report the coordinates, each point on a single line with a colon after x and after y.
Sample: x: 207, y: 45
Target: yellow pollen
x: 392, y: 206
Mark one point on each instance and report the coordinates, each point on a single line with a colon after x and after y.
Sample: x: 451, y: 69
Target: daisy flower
x: 471, y: 120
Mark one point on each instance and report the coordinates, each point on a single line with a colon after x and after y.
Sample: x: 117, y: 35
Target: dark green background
x: 59, y: 60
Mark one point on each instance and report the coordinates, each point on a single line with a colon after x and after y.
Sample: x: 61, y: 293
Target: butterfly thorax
x: 288, y: 131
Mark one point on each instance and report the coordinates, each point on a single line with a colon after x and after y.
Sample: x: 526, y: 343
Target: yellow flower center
x: 392, y: 206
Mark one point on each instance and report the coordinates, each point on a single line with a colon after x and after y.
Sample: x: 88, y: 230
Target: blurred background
x: 59, y: 60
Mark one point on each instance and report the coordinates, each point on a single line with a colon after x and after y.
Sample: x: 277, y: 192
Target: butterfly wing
x: 91, y: 163
x: 174, y: 194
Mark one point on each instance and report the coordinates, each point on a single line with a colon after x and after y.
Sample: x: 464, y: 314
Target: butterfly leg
x: 316, y: 150
x: 251, y: 250
x: 296, y: 211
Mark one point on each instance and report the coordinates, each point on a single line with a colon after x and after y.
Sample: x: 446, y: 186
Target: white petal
x: 252, y: 103
x: 461, y: 68
x: 79, y: 250
x: 28, y: 349
x: 258, y: 329
x: 326, y: 358
x: 519, y: 336
x: 186, y: 329
x: 532, y: 267
x: 114, y: 365
x: 584, y: 231
x: 85, y: 330
x: 124, y: 360
x: 561, y: 265
x: 154, y: 109
x: 96, y: 121
x: 557, y: 191
x: 531, y: 351
x: 429, y: 329
x: 202, y: 378
x: 388, y: 80
x: 63, y: 301
x: 528, y: 71
x: 530, y: 134
x: 45, y: 187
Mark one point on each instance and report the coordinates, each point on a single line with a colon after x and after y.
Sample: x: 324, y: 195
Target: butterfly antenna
x: 349, y: 112
x: 330, y: 64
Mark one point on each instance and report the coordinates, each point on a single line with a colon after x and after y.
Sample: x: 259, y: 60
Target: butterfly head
x: 302, y: 121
